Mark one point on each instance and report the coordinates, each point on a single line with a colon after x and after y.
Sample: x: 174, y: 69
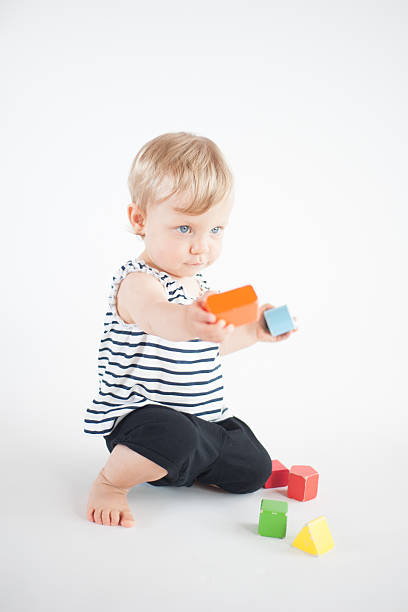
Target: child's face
x: 178, y: 243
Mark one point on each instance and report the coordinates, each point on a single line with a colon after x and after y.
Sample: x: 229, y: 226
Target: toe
x: 90, y: 514
x: 106, y: 517
x: 97, y: 516
x: 115, y: 516
x: 127, y: 519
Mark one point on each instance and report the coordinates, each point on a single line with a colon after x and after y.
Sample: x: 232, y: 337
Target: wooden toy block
x: 279, y: 476
x: 303, y: 482
x: 238, y: 306
x: 279, y: 320
x: 315, y: 538
x: 272, y: 518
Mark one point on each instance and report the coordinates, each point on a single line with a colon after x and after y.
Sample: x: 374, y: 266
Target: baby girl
x: 160, y: 404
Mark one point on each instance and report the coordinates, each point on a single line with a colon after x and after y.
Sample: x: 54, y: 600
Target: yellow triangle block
x: 315, y: 538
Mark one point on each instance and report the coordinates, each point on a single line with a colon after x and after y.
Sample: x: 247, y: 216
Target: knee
x: 253, y: 475
x: 261, y: 475
x: 258, y: 474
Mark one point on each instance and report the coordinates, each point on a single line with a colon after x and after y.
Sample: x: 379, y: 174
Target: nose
x: 198, y: 246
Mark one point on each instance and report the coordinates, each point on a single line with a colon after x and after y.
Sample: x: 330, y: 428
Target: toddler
x: 160, y: 405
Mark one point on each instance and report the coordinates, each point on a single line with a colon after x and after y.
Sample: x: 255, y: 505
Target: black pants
x: 225, y: 453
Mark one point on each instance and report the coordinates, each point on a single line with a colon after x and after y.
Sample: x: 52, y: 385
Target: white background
x: 308, y: 102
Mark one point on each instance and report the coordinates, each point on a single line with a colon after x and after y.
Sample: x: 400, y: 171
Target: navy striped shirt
x: 136, y: 368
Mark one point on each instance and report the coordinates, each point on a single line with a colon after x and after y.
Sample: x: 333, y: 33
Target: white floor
x: 198, y: 548
x: 307, y: 101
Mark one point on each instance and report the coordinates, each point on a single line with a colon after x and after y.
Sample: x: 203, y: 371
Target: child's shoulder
x: 135, y: 266
x: 137, y: 273
x: 135, y: 292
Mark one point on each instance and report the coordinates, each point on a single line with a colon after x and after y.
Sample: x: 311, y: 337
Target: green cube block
x: 272, y: 518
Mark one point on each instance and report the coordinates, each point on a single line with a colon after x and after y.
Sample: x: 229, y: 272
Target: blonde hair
x: 190, y: 164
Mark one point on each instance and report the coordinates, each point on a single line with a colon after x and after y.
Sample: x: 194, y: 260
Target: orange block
x: 238, y: 306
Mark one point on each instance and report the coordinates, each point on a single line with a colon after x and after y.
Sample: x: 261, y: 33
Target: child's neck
x: 151, y: 263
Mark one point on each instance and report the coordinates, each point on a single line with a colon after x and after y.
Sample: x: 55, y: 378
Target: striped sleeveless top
x: 136, y: 368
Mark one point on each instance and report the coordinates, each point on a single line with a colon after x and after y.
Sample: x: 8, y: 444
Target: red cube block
x: 303, y: 481
x: 279, y: 476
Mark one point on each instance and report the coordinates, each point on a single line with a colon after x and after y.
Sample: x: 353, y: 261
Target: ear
x: 137, y: 218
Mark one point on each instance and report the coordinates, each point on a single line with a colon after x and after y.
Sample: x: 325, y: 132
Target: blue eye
x: 181, y: 227
x: 216, y: 228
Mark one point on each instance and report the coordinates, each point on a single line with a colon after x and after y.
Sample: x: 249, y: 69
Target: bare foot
x: 107, y: 504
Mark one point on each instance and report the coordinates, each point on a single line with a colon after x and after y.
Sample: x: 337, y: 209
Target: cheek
x: 171, y: 247
x: 215, y: 249
x: 217, y: 246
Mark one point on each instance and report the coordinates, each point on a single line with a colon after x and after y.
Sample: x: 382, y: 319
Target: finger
x: 267, y: 307
x: 203, y: 298
x: 205, y: 316
x: 200, y: 302
x: 226, y: 326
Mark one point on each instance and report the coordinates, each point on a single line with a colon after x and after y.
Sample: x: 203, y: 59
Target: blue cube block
x: 279, y: 320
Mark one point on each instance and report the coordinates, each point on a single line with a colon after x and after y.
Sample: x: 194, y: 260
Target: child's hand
x: 203, y: 324
x: 262, y: 332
